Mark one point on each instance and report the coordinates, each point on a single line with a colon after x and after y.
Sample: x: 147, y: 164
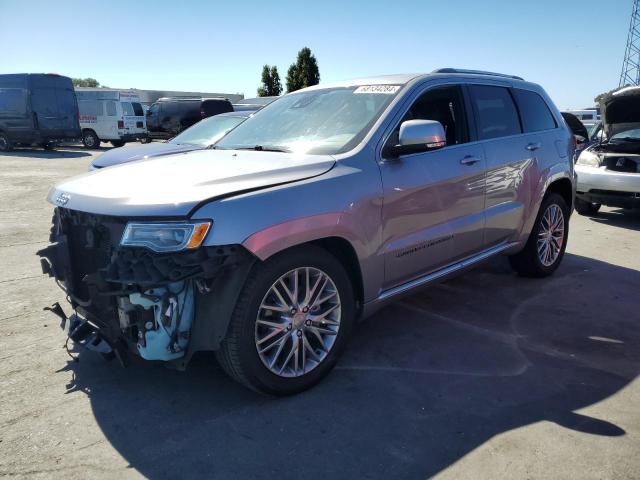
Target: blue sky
x: 573, y: 48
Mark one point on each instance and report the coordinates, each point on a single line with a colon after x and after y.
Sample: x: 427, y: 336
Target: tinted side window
x: 137, y: 109
x: 535, y: 114
x: 497, y: 114
x: 111, y: 108
x: 13, y: 101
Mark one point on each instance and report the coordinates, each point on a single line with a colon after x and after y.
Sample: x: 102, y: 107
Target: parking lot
x: 485, y: 376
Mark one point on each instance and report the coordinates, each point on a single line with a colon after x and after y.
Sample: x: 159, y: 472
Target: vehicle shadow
x: 61, y: 152
x: 629, y: 219
x: 423, y: 383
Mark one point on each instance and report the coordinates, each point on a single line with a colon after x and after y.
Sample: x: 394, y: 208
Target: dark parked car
x: 37, y: 109
x: 197, y: 137
x: 171, y: 115
x: 253, y: 103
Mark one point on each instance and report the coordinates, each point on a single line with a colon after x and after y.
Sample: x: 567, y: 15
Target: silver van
x: 315, y: 212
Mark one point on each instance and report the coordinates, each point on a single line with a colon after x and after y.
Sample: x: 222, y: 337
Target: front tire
x: 547, y: 242
x: 90, y: 139
x: 291, y: 322
x: 587, y: 208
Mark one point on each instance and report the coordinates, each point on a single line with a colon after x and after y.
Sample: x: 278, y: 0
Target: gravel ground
x: 485, y: 376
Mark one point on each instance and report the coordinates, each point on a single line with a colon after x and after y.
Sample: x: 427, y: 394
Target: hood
x: 173, y: 185
x: 621, y: 111
x: 116, y: 156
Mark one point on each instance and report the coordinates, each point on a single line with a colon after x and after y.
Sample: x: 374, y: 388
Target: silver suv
x: 325, y: 205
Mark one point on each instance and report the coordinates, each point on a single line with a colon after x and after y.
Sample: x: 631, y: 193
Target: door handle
x: 533, y: 146
x: 469, y: 160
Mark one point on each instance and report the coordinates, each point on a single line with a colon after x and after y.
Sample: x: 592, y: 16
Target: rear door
x: 68, y: 114
x: 511, y: 161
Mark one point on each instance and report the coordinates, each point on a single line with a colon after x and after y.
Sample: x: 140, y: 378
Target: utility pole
x: 631, y: 66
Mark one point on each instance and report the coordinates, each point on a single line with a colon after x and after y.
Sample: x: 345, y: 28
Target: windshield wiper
x: 265, y: 148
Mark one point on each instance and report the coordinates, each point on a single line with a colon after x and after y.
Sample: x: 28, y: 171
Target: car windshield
x: 208, y: 131
x: 325, y: 121
x: 632, y: 135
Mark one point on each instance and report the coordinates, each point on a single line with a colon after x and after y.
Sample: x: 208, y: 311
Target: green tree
x: 271, y: 85
x: 303, y: 73
x: 85, y: 82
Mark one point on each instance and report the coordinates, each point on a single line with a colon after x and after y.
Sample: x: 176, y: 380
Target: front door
x: 433, y: 211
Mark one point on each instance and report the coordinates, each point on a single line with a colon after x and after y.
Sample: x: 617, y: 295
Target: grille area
x: 622, y: 164
x: 91, y: 240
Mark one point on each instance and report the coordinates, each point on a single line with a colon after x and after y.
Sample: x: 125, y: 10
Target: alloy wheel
x: 551, y: 235
x: 298, y: 322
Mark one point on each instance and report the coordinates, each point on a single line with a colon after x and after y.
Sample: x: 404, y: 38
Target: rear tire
x: 5, y: 143
x: 145, y: 140
x: 296, y: 351
x: 117, y: 143
x: 547, y: 242
x: 90, y: 139
x: 587, y: 208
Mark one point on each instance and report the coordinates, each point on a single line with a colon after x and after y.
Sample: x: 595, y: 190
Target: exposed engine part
x: 159, y: 320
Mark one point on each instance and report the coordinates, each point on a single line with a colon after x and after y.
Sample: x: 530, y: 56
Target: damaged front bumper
x: 160, y: 306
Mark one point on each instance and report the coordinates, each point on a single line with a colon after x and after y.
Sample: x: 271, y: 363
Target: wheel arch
x: 564, y: 188
x: 342, y: 249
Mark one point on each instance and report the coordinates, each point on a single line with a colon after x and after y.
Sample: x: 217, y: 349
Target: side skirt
x: 390, y: 294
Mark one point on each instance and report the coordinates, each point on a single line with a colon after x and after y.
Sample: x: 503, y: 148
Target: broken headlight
x: 588, y: 159
x: 165, y: 237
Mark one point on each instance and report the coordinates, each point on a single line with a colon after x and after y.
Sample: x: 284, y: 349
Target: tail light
x: 120, y: 124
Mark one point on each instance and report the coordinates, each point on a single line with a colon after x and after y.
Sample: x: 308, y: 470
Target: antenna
x: 631, y: 66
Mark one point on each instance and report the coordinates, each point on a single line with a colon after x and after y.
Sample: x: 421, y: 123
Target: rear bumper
x: 132, y: 137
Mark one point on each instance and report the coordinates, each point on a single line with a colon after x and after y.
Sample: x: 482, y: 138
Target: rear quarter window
x: 534, y: 111
x: 496, y: 112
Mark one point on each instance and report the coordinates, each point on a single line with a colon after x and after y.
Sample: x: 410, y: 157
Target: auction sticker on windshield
x: 384, y: 89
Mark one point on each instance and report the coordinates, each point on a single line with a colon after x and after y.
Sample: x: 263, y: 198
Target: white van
x: 110, y: 116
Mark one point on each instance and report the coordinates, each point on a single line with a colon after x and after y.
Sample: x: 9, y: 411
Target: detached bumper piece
x: 130, y: 299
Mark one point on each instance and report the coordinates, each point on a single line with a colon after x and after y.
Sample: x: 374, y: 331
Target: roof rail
x: 475, y: 72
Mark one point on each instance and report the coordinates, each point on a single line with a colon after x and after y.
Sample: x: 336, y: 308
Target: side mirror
x: 418, y: 136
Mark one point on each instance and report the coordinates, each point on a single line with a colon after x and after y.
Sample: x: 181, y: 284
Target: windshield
x: 327, y: 121
x: 628, y: 135
x: 206, y: 132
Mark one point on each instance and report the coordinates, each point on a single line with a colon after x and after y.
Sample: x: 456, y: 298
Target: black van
x: 37, y: 109
x: 170, y: 115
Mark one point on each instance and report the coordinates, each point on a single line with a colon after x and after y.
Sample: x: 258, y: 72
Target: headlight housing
x: 165, y: 237
x: 589, y: 159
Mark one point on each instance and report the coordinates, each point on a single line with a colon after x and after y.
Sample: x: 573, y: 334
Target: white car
x: 609, y: 170
x: 110, y: 116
